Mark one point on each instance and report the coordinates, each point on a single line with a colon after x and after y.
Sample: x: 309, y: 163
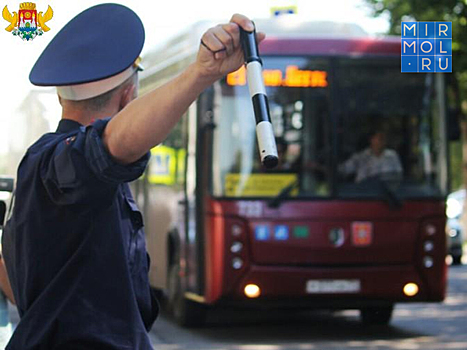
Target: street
x: 414, y: 326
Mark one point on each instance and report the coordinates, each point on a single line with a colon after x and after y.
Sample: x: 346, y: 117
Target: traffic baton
x: 254, y: 68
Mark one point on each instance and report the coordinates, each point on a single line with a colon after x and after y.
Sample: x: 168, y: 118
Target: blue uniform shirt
x: 74, y: 247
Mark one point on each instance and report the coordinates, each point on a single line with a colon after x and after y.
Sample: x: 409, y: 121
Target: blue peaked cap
x: 100, y: 42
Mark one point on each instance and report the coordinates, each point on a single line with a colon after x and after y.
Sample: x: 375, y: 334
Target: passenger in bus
x: 374, y: 161
x: 74, y: 246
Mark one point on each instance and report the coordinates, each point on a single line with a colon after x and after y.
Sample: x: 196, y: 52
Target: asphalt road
x: 414, y: 326
x: 424, y: 326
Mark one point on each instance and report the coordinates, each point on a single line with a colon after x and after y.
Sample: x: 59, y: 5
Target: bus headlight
x: 430, y: 229
x: 236, y: 247
x: 428, y: 246
x: 237, y: 263
x: 428, y: 262
x: 411, y: 289
x: 236, y: 230
x: 252, y: 291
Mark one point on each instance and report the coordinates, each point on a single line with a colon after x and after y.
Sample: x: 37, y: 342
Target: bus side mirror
x: 454, y: 130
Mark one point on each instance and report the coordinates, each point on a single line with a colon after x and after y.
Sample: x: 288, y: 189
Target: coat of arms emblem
x: 27, y: 23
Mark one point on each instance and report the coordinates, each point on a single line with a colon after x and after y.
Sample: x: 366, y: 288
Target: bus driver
x: 376, y: 160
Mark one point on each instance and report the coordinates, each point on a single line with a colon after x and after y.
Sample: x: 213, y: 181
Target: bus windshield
x: 346, y: 127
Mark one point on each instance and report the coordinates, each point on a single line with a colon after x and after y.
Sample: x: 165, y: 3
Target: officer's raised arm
x: 146, y: 121
x: 96, y: 76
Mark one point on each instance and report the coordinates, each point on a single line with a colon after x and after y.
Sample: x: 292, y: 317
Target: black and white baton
x: 264, y: 130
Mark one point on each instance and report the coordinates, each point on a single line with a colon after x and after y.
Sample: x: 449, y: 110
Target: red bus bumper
x: 377, y: 285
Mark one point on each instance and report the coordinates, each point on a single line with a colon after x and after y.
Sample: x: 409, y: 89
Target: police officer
x: 74, y: 246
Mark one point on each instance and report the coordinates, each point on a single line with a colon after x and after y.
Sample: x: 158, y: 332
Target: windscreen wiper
x: 390, y: 196
x: 283, y: 194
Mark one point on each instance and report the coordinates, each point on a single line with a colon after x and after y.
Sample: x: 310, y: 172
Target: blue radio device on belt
x: 264, y: 131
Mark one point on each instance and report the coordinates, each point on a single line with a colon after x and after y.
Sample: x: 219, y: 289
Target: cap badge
x: 27, y: 23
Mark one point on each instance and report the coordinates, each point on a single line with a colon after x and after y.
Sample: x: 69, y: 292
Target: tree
x: 454, y: 11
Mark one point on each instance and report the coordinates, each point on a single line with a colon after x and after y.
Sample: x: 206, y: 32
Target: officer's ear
x: 128, y: 95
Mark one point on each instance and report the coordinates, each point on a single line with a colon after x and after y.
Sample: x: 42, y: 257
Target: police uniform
x: 74, y: 245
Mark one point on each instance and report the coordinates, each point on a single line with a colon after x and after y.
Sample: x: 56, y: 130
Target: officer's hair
x: 97, y: 103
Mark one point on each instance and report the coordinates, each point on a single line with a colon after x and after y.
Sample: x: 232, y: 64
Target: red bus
x: 222, y: 230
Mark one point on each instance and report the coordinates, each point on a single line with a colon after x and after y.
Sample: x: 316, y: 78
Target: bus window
x: 402, y: 108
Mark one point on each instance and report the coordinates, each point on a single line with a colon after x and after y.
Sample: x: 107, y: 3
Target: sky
x: 162, y: 20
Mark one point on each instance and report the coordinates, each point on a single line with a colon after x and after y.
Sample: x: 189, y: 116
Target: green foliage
x: 454, y: 11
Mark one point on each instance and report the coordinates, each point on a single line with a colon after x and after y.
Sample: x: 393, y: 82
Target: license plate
x: 332, y: 286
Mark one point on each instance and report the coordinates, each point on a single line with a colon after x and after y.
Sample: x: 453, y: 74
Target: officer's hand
x: 220, y: 50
